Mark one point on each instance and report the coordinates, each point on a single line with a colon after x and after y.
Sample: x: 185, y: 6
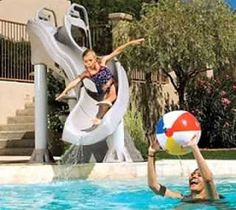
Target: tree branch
x: 195, y: 72
x: 171, y: 79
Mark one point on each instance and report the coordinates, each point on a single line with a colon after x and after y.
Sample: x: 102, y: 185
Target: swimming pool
x: 106, y: 195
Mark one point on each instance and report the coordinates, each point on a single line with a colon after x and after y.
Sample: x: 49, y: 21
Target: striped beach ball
x: 175, y: 129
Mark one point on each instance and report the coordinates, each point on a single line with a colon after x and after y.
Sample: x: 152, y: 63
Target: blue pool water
x: 104, y: 195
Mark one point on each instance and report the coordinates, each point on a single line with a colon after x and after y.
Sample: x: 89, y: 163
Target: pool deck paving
x: 18, y: 170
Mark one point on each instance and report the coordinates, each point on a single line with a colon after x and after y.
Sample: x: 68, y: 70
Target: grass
x: 218, y: 154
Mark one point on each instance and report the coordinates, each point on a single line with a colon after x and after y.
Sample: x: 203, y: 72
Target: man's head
x: 90, y: 58
x: 196, y: 183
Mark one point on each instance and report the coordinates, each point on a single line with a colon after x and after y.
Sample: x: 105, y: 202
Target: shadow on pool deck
x: 17, y: 159
x: 14, y: 159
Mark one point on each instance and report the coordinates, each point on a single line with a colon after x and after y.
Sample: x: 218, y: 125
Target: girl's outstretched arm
x: 71, y: 85
x: 119, y: 50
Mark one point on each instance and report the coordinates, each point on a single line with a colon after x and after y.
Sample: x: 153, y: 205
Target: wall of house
x: 22, y: 10
x: 13, y: 96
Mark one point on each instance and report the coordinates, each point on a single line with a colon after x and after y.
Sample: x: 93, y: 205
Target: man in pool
x: 201, y: 181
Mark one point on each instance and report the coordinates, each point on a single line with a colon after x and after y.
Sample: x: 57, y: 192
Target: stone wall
x: 13, y: 96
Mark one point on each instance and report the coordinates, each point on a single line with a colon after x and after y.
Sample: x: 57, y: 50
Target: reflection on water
x: 108, y: 195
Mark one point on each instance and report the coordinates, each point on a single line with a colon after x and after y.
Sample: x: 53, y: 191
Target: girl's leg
x: 111, y: 95
x: 106, y: 104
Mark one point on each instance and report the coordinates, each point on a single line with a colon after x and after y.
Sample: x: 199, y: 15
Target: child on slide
x: 97, y: 71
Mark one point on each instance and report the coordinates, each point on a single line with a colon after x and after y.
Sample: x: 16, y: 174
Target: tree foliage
x: 98, y: 10
x: 186, y: 38
x: 213, y: 102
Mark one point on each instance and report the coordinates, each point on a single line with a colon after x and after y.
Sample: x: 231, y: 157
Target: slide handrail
x: 41, y: 15
x: 74, y: 13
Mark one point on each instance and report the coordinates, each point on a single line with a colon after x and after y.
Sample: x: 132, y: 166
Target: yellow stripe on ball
x: 174, y: 148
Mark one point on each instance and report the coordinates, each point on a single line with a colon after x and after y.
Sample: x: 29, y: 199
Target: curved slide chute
x: 57, y: 43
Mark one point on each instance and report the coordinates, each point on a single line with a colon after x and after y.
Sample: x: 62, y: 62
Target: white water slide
x: 57, y: 43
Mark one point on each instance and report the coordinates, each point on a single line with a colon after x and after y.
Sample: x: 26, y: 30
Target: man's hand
x: 192, y: 143
x: 154, y: 146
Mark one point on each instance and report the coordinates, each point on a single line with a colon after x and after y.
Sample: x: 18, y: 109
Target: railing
x: 14, y: 52
x: 156, y: 77
x: 101, y: 36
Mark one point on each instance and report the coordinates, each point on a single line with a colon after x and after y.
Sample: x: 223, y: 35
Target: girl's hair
x: 87, y: 51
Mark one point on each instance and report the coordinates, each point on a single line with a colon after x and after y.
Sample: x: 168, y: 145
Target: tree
x: 98, y: 10
x: 184, y: 38
x: 213, y: 102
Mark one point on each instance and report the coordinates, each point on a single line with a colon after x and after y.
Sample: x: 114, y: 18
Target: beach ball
x: 175, y: 129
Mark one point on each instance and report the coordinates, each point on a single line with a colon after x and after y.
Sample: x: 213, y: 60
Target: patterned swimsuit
x: 101, y: 78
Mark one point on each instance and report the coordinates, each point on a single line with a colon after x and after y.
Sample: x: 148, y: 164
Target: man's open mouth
x: 193, y: 182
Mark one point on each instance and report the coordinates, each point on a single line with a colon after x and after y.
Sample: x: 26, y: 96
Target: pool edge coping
x: 25, y: 173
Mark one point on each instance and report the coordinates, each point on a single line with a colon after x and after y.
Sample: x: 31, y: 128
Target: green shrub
x: 56, y: 115
x: 213, y: 102
x: 134, y: 123
x: 57, y: 109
